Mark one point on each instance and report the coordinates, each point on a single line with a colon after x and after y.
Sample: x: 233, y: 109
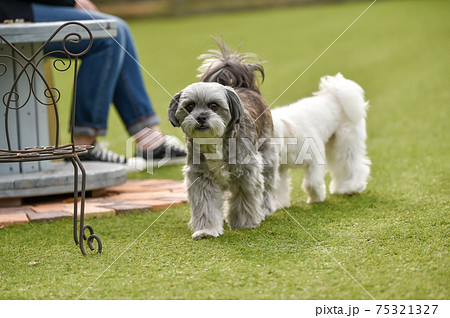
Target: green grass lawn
x: 393, y: 239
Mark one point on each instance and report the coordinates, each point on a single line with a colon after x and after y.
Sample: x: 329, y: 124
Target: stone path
x: 145, y: 195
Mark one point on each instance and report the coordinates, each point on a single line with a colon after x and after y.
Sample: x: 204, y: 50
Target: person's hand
x: 86, y: 5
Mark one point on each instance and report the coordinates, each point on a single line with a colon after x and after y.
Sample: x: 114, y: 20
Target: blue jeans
x: 108, y: 74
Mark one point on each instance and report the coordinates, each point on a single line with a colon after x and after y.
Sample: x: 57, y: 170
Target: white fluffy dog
x: 331, y: 122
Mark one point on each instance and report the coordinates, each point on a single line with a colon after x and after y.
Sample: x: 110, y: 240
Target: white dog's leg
x: 347, y: 161
x: 283, y: 189
x: 206, y: 200
x: 246, y: 196
x: 271, y: 160
x: 313, y: 182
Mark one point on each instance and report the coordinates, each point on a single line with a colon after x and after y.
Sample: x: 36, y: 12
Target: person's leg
x: 130, y: 96
x: 131, y: 99
x: 109, y: 71
x: 97, y: 75
x: 134, y: 106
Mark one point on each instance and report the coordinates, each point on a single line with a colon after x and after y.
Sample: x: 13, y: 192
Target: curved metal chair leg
x: 75, y: 201
x: 28, y: 68
x: 82, y: 236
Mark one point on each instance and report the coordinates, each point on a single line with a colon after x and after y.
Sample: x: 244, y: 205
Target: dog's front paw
x: 315, y: 193
x: 247, y: 224
x: 269, y: 207
x: 284, y: 203
x: 315, y: 200
x: 348, y: 188
x: 206, y: 233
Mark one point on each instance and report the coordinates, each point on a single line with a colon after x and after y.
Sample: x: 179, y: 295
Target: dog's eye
x: 213, y: 106
x: 189, y: 108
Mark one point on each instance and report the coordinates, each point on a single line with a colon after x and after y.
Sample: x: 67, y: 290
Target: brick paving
x: 142, y: 195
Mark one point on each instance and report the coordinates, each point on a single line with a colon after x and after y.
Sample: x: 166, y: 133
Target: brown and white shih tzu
x: 229, y: 166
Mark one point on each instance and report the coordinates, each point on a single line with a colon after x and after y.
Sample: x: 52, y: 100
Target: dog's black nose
x: 201, y: 118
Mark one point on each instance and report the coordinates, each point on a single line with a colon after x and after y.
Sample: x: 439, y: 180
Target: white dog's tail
x: 349, y: 94
x: 347, y: 159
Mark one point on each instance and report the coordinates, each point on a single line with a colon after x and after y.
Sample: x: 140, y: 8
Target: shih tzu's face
x: 205, y: 110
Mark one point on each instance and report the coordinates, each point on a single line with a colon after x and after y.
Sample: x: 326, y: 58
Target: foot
x: 170, y: 152
x: 101, y: 153
x: 269, y: 206
x: 283, y: 200
x: 235, y: 224
x: 206, y: 233
x: 317, y: 192
x: 348, y: 187
x: 311, y: 200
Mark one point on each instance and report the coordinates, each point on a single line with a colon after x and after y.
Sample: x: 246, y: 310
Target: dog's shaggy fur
x: 227, y: 107
x: 333, y: 123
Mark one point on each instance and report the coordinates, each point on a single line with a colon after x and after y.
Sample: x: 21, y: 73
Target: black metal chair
x: 28, y: 69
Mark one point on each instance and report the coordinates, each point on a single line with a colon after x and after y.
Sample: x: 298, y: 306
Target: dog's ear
x: 235, y: 105
x: 173, y: 109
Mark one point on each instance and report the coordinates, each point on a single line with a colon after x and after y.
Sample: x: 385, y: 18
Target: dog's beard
x: 215, y: 127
